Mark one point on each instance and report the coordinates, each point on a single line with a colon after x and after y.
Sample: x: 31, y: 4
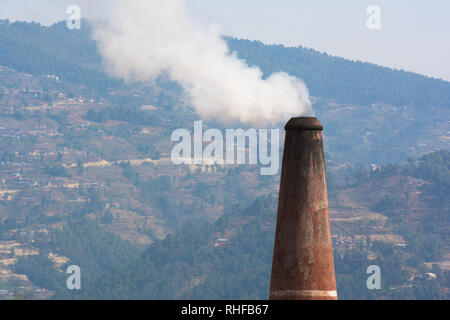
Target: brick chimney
x: 303, y: 266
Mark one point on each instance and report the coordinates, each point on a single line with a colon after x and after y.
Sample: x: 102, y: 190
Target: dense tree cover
x: 73, y: 56
x: 187, y: 264
x: 430, y: 172
x: 131, y: 112
x: 387, y: 204
x: 56, y: 171
x: 156, y: 193
x: 55, y: 50
x: 167, y: 268
x: 345, y: 80
x: 88, y: 245
x: 435, y: 167
x: 241, y: 269
x: 395, y: 264
x: 59, y: 117
x: 122, y: 113
x: 41, y: 271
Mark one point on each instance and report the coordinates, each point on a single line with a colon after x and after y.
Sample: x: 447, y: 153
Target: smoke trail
x: 140, y: 39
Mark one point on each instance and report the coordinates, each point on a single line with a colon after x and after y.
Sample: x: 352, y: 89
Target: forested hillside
x: 69, y: 54
x: 231, y: 258
x: 364, y: 107
x: 73, y: 56
x: 344, y: 80
x: 86, y: 178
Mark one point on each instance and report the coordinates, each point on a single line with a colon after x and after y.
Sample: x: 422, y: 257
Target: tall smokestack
x: 303, y: 266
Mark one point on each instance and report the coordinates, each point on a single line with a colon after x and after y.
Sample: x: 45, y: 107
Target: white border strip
x: 304, y: 293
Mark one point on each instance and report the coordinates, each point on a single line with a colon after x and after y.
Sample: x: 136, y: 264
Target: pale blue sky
x: 414, y: 35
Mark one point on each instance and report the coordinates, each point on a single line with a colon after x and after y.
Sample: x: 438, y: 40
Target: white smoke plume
x: 140, y: 39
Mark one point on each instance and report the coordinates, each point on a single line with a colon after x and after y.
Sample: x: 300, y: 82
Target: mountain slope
x: 344, y: 80
x: 73, y: 56
x: 88, y: 145
x: 401, y: 232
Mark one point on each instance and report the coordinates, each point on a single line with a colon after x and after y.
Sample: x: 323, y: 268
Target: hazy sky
x: 414, y: 34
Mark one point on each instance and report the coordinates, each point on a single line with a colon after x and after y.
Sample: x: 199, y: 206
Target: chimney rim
x: 304, y: 123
